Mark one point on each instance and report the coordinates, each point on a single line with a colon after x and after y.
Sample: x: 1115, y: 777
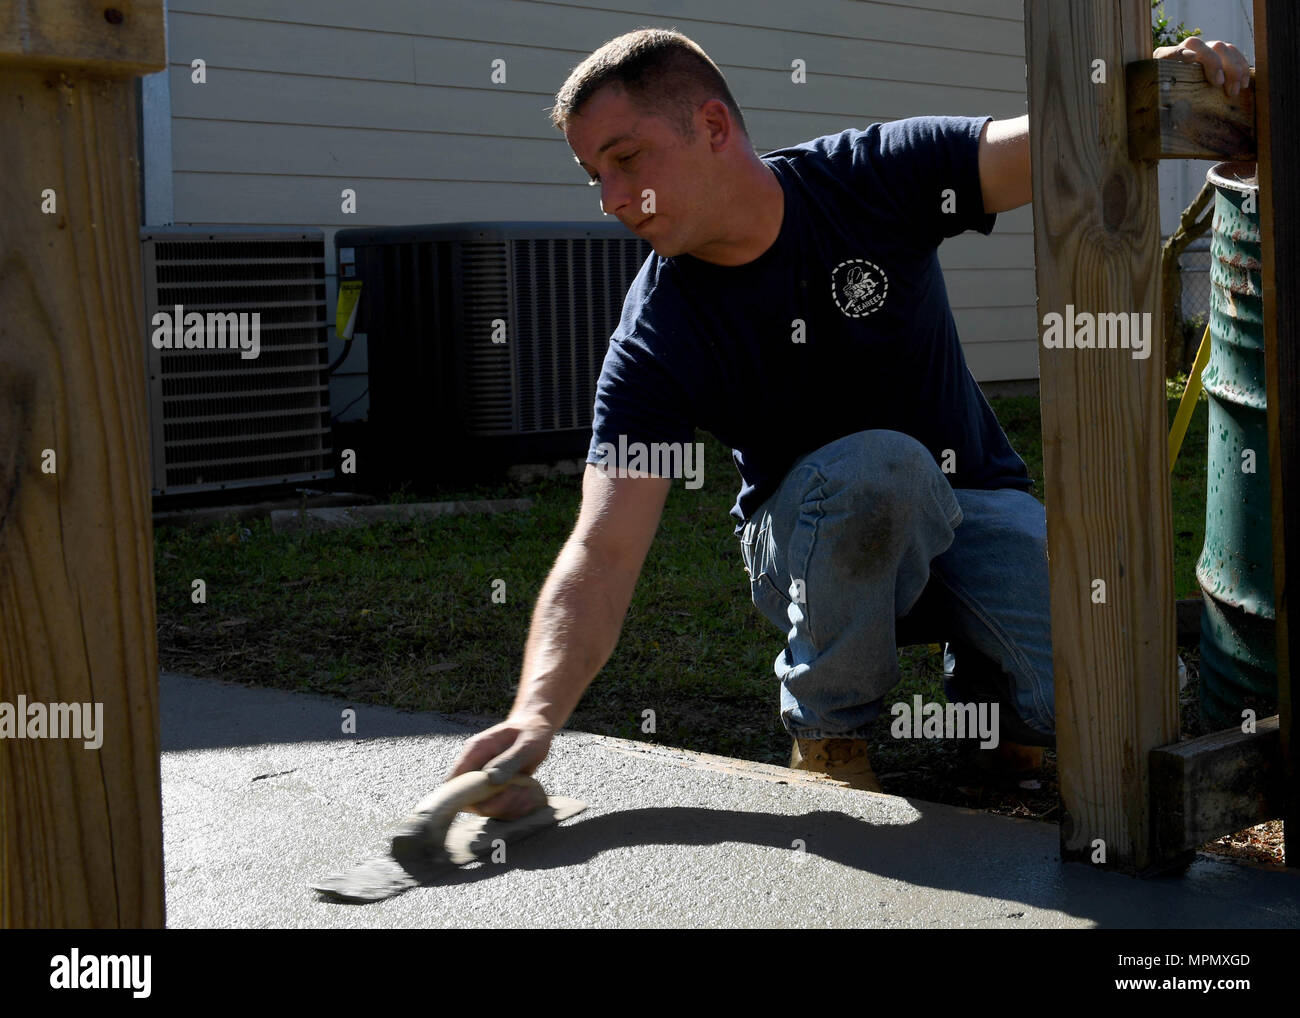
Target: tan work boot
x: 844, y: 760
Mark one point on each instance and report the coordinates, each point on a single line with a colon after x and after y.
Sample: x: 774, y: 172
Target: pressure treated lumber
x: 80, y: 829
x: 1277, y: 34
x: 1097, y: 248
x: 115, y: 38
x: 1219, y: 784
x: 1174, y: 113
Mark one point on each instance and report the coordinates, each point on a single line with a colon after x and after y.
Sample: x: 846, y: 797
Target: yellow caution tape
x: 1188, y: 403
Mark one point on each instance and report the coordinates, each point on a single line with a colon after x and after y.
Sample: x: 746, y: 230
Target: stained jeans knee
x: 835, y: 556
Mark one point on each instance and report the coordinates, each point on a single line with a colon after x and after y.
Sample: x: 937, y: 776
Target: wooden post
x: 1277, y: 104
x: 80, y: 828
x: 1105, y: 453
x: 1173, y: 115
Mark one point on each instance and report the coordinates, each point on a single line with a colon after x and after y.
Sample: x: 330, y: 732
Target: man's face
x: 628, y: 152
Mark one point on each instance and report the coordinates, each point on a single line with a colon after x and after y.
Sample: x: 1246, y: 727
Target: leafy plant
x: 1161, y: 33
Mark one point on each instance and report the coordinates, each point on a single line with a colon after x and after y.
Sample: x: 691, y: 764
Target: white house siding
x: 394, y: 99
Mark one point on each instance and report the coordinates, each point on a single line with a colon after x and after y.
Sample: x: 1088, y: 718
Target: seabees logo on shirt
x: 858, y: 286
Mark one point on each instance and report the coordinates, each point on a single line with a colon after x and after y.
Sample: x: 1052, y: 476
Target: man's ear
x: 715, y: 120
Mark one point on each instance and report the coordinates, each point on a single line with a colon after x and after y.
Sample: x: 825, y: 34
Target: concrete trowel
x: 431, y: 840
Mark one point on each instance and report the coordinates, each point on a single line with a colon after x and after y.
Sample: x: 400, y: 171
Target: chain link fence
x: 1194, y: 275
x: 1194, y: 268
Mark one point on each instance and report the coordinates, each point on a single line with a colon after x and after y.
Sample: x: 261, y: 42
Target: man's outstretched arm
x: 1004, y: 144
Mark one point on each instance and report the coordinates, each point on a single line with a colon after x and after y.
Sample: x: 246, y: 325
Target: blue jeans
x: 864, y: 547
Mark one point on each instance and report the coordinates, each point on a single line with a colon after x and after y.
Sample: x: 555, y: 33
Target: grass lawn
x: 402, y: 615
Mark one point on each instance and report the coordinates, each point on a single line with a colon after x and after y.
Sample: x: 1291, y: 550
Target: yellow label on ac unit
x: 345, y: 316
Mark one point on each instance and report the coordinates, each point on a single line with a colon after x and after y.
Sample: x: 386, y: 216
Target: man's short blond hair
x: 663, y: 73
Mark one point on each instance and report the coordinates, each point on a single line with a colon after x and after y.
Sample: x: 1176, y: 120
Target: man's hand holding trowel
x: 430, y: 839
x: 515, y: 746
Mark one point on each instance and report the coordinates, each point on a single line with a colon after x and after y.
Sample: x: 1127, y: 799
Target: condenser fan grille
x: 221, y: 419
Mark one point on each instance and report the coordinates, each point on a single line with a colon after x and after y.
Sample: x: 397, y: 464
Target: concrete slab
x: 262, y: 795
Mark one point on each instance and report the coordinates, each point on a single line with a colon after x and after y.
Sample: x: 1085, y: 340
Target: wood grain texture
x: 1219, y: 784
x: 1097, y: 247
x: 119, y: 38
x: 1174, y: 113
x: 1277, y: 33
x: 80, y: 829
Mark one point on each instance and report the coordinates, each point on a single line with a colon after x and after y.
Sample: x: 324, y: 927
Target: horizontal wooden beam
x: 1205, y: 788
x: 1174, y: 113
x: 112, y: 38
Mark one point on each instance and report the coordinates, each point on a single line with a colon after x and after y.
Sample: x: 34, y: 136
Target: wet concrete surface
x: 263, y: 795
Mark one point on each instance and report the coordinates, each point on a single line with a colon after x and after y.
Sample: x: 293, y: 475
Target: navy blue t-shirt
x: 856, y: 261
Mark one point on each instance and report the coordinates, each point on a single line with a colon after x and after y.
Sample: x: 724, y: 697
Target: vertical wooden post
x: 80, y: 828
x: 1109, y: 533
x: 1277, y: 111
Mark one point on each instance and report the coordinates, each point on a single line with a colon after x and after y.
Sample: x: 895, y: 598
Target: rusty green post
x: 1235, y: 570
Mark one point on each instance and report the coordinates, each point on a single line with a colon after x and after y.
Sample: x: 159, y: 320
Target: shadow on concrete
x: 931, y: 852
x: 215, y: 714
